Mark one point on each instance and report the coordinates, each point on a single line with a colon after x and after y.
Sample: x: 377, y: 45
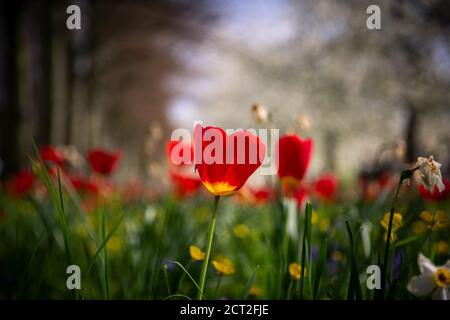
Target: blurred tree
x: 9, y: 109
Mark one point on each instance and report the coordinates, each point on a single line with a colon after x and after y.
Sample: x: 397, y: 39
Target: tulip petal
x: 226, y: 162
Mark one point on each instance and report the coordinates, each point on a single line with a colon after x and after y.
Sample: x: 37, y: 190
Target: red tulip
x: 184, y: 184
x: 176, y: 152
x: 263, y: 195
x: 326, y: 187
x: 436, y: 195
x: 51, y: 155
x: 102, y: 161
x: 294, y: 157
x: 224, y: 163
x: 300, y: 194
x: 21, y: 183
x: 81, y: 184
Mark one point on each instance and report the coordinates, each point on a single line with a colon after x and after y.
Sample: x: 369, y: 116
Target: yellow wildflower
x: 114, y: 243
x: 255, y: 291
x: 314, y: 217
x: 441, y: 247
x: 437, y: 221
x: 419, y: 227
x: 324, y: 224
x: 295, y: 270
x: 224, y: 266
x: 196, y: 253
x: 241, y: 231
x: 397, y: 223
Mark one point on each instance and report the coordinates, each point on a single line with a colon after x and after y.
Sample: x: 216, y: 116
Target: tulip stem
x: 406, y: 174
x: 208, y: 249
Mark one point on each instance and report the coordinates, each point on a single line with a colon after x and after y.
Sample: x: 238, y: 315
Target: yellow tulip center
x: 219, y: 188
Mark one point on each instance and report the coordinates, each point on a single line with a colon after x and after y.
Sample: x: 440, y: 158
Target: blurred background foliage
x: 138, y: 69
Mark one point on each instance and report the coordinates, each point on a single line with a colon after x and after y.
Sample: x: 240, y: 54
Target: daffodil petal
x: 421, y: 285
x: 425, y: 265
x: 441, y: 294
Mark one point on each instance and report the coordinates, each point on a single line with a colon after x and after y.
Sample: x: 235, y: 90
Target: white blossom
x: 430, y: 173
x: 434, y: 280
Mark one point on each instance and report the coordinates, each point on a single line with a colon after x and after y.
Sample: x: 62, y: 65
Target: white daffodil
x: 433, y: 279
x: 430, y: 173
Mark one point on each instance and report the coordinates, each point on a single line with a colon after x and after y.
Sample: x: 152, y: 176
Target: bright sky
x: 257, y: 24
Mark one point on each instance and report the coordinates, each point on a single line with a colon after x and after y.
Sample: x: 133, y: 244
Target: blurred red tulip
x: 82, y: 184
x: 300, y: 194
x: 293, y: 159
x: 102, y: 161
x: 21, y: 183
x: 213, y: 148
x: 263, y: 195
x: 372, y: 185
x: 326, y: 187
x: 51, y: 155
x: 176, y: 153
x: 436, y: 195
x: 184, y: 184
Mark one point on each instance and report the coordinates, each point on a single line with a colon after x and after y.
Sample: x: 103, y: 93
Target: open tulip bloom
x: 224, y: 163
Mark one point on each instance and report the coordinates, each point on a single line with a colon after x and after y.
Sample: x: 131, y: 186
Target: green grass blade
x: 308, y: 211
x: 188, y: 274
x: 354, y: 290
x: 320, y: 266
x: 56, y: 199
x: 105, y: 241
x: 177, y: 295
x: 245, y: 290
x: 105, y: 256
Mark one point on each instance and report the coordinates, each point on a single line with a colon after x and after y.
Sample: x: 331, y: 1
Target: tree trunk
x: 9, y: 107
x: 38, y: 104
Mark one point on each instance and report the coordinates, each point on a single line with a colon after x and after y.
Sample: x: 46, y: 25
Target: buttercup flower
x: 430, y: 174
x: 255, y: 291
x: 397, y: 223
x: 442, y: 247
x: 434, y: 280
x: 224, y: 163
x: 224, y: 266
x: 102, y: 161
x: 293, y: 159
x: 241, y: 230
x: 196, y: 253
x: 437, y: 221
x: 295, y: 270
